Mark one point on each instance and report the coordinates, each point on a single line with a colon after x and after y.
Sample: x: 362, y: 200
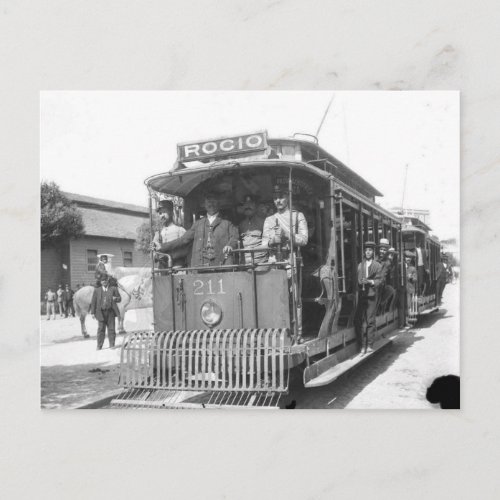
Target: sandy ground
x: 73, y: 372
x: 396, y: 377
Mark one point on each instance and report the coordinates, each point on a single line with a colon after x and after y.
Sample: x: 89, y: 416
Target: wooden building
x: 110, y: 227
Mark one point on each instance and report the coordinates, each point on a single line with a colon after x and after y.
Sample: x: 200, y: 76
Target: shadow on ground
x: 68, y: 386
x: 342, y: 391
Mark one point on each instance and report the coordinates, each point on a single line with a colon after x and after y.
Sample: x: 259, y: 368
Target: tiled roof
x: 91, y: 202
x: 111, y: 224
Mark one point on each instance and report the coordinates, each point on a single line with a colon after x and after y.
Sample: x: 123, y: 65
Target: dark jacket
x: 223, y: 233
x: 374, y: 273
x: 97, y: 299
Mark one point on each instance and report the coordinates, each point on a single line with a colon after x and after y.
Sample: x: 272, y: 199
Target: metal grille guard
x: 245, y: 365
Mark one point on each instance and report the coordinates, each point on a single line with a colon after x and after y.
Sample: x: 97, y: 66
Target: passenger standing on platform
x: 51, y: 298
x: 369, y: 281
x: 422, y: 269
x: 386, y: 292
x: 169, y: 232
x: 250, y: 229
x: 212, y: 237
x: 411, y: 284
x: 276, y: 232
x: 103, y: 308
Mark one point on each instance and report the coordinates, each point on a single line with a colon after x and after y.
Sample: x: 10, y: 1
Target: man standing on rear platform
x: 369, y: 281
x: 104, y: 308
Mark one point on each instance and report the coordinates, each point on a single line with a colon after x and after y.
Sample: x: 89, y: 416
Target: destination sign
x: 219, y: 148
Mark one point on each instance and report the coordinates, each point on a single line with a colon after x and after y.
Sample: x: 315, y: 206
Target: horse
x: 135, y: 293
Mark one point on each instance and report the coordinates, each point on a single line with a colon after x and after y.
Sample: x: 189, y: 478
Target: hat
x: 280, y: 189
x: 384, y: 242
x: 166, y: 204
x: 369, y: 244
x: 105, y: 255
x: 391, y: 250
x: 409, y: 253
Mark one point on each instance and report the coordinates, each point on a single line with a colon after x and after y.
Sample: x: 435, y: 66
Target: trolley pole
x: 295, y: 295
x: 152, y: 252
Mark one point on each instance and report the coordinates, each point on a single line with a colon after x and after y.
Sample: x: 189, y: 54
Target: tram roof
x: 331, y: 164
x: 182, y: 179
x: 182, y: 182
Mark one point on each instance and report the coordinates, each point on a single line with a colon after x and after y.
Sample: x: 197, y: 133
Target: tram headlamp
x: 211, y: 313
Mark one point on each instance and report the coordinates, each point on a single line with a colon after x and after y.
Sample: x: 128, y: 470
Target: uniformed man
x: 276, y: 233
x: 250, y: 229
x: 169, y: 232
x: 369, y: 281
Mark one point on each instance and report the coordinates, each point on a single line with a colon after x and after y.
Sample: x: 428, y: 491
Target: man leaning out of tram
x: 212, y: 238
x: 276, y: 232
x: 369, y: 280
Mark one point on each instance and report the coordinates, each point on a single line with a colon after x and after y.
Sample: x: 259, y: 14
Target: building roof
x: 107, y: 218
x: 111, y: 224
x: 107, y: 205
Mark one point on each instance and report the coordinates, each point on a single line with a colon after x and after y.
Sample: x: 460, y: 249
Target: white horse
x: 134, y: 289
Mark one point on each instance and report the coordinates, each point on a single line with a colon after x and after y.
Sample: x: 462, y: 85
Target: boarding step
x: 328, y: 369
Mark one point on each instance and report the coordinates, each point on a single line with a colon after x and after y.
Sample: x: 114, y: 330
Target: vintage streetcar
x: 230, y: 334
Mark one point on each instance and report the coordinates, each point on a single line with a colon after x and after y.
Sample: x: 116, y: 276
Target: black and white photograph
x: 250, y: 250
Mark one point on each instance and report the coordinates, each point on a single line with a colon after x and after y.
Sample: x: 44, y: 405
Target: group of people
x: 377, y: 279
x: 59, y: 302
x: 211, y: 240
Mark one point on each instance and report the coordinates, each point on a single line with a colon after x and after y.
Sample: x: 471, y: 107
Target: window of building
x: 127, y: 259
x: 91, y: 260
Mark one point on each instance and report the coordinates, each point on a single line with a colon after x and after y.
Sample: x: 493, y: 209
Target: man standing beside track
x: 369, y: 280
x: 103, y: 308
x: 212, y: 237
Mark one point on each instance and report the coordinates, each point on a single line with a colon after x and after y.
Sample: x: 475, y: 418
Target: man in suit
x: 422, y: 268
x: 169, y: 232
x: 104, y: 308
x: 212, y: 238
x: 369, y: 280
x: 386, y: 292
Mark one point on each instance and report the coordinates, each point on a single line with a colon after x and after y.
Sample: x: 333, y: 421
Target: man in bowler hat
x: 104, y: 308
x: 369, y: 280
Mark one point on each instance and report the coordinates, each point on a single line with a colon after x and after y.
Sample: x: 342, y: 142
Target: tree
x: 144, y: 237
x: 60, y: 218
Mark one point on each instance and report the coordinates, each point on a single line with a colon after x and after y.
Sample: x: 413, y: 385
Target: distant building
x: 110, y: 227
x: 413, y: 213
